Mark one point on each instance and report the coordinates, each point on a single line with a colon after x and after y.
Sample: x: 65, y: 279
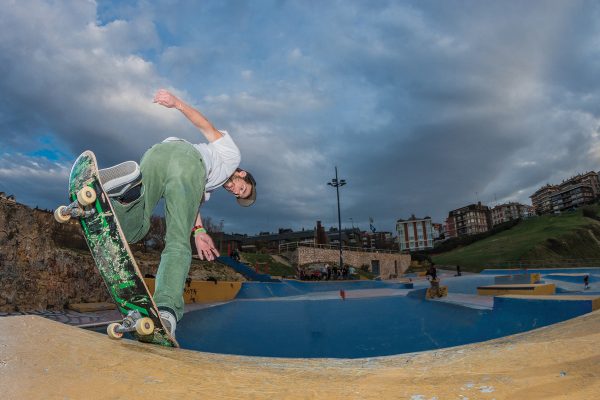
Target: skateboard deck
x: 111, y: 253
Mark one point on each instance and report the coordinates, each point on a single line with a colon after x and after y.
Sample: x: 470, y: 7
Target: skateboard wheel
x: 112, y: 331
x: 86, y: 196
x: 59, y: 216
x: 144, y: 326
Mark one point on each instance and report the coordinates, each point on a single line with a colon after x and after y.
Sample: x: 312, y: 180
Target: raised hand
x: 165, y: 98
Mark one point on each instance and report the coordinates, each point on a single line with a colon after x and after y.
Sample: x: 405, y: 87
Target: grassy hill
x: 272, y: 267
x: 549, y: 239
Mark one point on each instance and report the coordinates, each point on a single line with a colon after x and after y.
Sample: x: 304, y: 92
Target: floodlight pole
x: 336, y: 183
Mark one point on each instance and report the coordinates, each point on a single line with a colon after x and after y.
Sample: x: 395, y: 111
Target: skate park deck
x: 43, y: 359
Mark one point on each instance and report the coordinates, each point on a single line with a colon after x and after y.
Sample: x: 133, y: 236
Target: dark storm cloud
x: 424, y: 106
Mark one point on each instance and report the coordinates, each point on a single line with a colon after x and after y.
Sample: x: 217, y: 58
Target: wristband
x: 199, y: 230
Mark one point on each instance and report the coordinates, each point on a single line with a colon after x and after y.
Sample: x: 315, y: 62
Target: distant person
x: 235, y: 254
x: 431, y: 272
x: 458, y: 273
x: 586, y: 282
x: 323, y: 271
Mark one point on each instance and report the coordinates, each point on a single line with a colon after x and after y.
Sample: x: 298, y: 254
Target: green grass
x: 274, y: 267
x: 549, y: 237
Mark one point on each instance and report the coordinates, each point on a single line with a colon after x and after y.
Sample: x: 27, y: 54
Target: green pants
x: 175, y: 172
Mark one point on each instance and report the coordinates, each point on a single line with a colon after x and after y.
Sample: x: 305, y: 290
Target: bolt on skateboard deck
x: 111, y: 253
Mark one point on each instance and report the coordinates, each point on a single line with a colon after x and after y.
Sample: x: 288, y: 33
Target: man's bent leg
x: 184, y: 186
x: 134, y: 218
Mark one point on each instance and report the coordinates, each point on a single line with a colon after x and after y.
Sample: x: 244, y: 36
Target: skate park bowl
x: 375, y: 318
x: 331, y: 340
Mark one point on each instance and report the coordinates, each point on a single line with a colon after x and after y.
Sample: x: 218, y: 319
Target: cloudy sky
x: 424, y: 106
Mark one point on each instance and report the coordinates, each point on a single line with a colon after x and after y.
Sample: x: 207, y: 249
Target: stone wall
x: 43, y: 264
x: 390, y: 264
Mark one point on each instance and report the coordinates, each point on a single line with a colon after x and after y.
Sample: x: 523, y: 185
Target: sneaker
x: 169, y: 321
x: 120, y: 178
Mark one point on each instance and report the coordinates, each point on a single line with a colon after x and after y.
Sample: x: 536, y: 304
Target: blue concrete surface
x: 265, y: 320
x: 466, y: 284
x: 255, y: 290
x: 513, y: 279
x: 562, y: 309
x: 567, y: 280
x: 357, y: 328
x: 578, y: 278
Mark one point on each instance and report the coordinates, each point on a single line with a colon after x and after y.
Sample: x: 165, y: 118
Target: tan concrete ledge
x: 42, y: 359
x: 533, y: 289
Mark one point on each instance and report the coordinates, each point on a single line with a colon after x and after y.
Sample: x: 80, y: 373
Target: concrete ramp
x: 245, y: 270
x: 42, y: 359
x: 468, y: 300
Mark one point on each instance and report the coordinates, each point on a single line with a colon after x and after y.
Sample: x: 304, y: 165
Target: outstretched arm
x: 169, y: 100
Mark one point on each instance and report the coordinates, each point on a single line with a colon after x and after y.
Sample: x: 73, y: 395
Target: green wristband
x: 199, y: 230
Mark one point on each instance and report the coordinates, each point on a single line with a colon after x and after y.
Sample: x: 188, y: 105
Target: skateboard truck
x: 133, y: 322
x: 77, y: 209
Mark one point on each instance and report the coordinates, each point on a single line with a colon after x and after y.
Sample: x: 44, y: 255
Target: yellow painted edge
x: 205, y: 291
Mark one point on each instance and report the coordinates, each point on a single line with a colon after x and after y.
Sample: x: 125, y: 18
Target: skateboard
x: 111, y: 253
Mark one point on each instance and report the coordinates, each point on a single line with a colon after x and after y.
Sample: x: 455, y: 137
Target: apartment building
x: 573, y: 192
x: 468, y: 220
x: 572, y: 197
x: 510, y: 211
x: 541, y: 199
x: 415, y: 233
x: 437, y: 230
x: 450, y: 227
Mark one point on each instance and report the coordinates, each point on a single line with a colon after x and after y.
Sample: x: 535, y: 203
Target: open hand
x: 206, y: 247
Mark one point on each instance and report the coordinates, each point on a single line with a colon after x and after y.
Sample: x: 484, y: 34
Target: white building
x: 415, y: 233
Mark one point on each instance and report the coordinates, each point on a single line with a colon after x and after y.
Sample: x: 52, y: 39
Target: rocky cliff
x: 47, y: 265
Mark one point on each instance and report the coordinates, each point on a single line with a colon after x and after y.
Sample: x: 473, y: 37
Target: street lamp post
x: 336, y: 183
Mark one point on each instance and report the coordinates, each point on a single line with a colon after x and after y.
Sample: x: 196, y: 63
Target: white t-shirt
x: 221, y: 158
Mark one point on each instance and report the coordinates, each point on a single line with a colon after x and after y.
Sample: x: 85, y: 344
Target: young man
x: 184, y: 175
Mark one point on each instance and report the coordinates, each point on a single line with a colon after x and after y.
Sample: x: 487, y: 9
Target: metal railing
x: 287, y: 247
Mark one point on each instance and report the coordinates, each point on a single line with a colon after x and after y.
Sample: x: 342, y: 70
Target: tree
x: 210, y: 226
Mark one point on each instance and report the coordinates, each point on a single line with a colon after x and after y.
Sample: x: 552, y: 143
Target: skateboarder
x: 184, y: 175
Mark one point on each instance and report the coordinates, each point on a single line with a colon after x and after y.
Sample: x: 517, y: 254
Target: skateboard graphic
x: 111, y: 253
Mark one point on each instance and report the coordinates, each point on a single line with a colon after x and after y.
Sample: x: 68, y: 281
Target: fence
x: 287, y: 247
